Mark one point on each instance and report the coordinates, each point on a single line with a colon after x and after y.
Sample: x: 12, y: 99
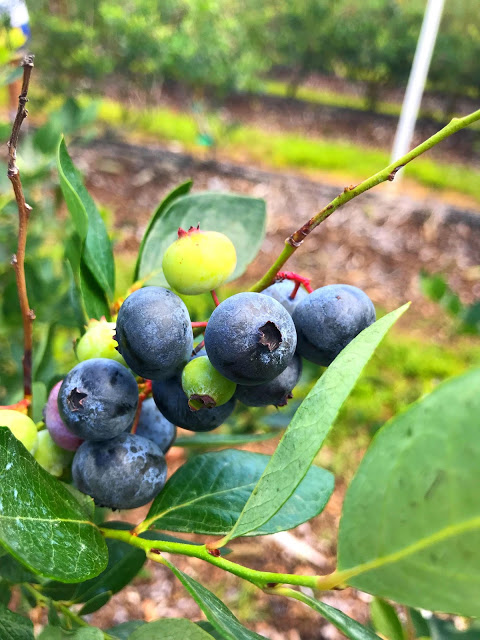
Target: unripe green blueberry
x: 199, y: 261
x: 98, y: 342
x: 204, y: 386
x: 50, y: 456
x: 22, y: 427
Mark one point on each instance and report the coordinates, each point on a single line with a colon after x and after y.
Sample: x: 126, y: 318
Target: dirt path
x: 380, y: 241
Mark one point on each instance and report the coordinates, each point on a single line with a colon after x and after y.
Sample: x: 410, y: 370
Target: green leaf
x: 97, y: 250
x: 240, y: 218
x: 410, y: 527
x: 94, y: 302
x: 170, y: 629
x: 420, y: 624
x: 5, y: 593
x: 308, y: 429
x: 124, y: 562
x: 446, y: 630
x: 385, y: 620
x: 351, y: 628
x: 124, y: 631
x: 208, y: 492
x: 38, y: 401
x: 216, y: 612
x: 433, y: 286
x: 14, y: 626
x: 82, y: 633
x: 41, y: 524
x: 94, y: 298
x: 12, y: 571
x: 95, y: 603
x: 181, y: 190
x: 223, y: 439
x: 206, y: 626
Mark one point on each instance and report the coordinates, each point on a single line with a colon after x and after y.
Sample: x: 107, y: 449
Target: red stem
x: 297, y: 278
x: 145, y: 389
x: 215, y: 297
x: 199, y: 324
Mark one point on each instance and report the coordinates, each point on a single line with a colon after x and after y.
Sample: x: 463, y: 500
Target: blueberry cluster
x: 253, y: 349
x: 92, y: 412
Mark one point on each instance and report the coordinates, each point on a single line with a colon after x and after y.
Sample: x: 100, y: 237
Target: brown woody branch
x: 18, y: 259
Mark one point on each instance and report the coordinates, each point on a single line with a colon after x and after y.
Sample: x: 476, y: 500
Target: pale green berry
x: 199, y: 261
x: 98, y: 342
x: 22, y: 427
x: 50, y: 456
x: 204, y: 386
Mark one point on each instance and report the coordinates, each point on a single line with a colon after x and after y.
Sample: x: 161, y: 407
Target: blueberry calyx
x: 75, y: 399
x: 270, y: 336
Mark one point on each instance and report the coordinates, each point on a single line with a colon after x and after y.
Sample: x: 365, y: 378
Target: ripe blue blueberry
x: 98, y: 399
x: 122, y: 473
x: 154, y: 333
x: 277, y: 392
x: 329, y: 318
x: 282, y: 291
x: 173, y: 403
x: 155, y: 427
x: 250, y: 338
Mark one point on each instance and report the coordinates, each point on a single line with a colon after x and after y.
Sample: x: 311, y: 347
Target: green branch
x: 388, y: 174
x: 261, y: 579
x: 43, y: 601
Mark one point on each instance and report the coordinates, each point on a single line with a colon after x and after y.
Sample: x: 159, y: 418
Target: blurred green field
x: 283, y: 150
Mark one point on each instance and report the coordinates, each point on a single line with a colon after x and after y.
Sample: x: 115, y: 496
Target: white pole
x: 417, y: 78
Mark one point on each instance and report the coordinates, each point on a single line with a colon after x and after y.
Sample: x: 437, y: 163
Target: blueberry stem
x: 215, y: 297
x: 387, y: 174
x: 199, y: 324
x: 18, y: 259
x: 259, y: 578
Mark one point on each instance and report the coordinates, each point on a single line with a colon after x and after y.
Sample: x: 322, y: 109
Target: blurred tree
x: 375, y: 44
x: 455, y: 69
x: 300, y: 38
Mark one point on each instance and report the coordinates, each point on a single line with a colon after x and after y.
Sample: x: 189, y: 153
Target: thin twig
x: 387, y: 174
x: 18, y: 259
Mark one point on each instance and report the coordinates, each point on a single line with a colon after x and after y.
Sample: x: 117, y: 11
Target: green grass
x: 329, y: 98
x: 286, y: 150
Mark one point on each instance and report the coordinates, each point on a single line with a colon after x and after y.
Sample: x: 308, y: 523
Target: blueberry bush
x: 411, y: 518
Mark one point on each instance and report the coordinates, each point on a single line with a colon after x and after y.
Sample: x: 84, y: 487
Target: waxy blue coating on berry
x: 122, y: 473
x: 98, y: 399
x: 250, y: 338
x: 154, y: 333
x: 277, y: 392
x: 281, y: 292
x: 173, y: 404
x: 155, y: 427
x: 329, y: 318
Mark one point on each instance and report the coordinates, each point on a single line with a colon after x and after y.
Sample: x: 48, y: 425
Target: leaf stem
x: 18, y: 259
x: 43, y: 601
x: 261, y: 579
x: 387, y: 174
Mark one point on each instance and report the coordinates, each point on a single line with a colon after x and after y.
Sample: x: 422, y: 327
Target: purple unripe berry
x: 56, y: 426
